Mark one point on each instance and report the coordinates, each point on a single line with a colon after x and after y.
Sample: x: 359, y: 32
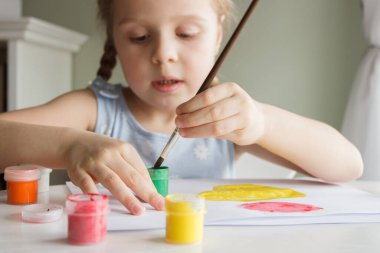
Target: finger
x: 207, y: 97
x: 135, y: 175
x: 141, y: 186
x: 83, y: 180
x: 130, y: 155
x: 214, y: 129
x: 109, y: 179
x: 222, y: 109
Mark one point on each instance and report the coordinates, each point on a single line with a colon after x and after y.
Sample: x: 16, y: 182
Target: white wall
x: 300, y: 55
x: 10, y: 9
x: 32, y: 66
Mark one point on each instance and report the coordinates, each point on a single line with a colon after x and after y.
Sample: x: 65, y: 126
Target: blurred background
x: 300, y: 55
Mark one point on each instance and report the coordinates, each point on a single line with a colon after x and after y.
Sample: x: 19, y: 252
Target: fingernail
x: 138, y: 210
x: 178, y: 122
x: 160, y: 204
x: 182, y: 132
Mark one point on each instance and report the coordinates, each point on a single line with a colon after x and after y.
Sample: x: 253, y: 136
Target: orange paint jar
x: 22, y: 184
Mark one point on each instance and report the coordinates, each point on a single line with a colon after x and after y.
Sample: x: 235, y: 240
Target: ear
x: 220, y: 32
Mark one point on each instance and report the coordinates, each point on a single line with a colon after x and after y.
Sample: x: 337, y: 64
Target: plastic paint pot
x: 22, y: 184
x: 87, y: 218
x: 184, y: 218
x: 44, y: 182
x: 159, y: 178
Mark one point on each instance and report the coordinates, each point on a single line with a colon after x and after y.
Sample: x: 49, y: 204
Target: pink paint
x: 281, y: 207
x: 87, y: 218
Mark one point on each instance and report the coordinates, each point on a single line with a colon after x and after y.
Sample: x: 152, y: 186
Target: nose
x: 164, y: 51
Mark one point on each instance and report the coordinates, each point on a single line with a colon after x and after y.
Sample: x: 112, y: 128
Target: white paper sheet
x: 340, y: 204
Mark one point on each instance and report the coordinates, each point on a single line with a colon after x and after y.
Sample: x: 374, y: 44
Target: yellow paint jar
x: 184, y: 218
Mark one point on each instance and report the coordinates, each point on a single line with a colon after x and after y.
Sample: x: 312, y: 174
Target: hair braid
x: 108, y: 60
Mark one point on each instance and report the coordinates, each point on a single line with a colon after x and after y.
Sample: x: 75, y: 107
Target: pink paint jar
x: 87, y: 218
x: 22, y: 184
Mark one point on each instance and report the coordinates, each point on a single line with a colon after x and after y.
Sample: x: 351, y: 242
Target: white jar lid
x: 42, y: 213
x: 22, y: 173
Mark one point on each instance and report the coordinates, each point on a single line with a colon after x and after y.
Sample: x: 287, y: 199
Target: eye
x: 186, y: 35
x: 139, y: 39
x: 188, y: 31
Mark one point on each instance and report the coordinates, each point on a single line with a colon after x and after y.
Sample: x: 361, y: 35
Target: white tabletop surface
x: 17, y: 236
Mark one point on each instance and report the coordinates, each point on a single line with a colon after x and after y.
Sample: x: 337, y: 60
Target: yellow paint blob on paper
x: 248, y: 192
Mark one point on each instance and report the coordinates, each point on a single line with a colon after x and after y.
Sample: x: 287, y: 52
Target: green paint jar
x: 160, y: 180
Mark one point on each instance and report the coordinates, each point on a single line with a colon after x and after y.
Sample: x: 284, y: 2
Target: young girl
x: 111, y: 134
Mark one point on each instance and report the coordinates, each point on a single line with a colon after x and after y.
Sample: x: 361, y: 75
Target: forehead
x: 158, y: 11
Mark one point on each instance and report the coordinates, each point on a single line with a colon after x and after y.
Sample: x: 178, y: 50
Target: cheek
x: 130, y: 61
x: 200, y: 66
x: 206, y: 54
x: 132, y: 68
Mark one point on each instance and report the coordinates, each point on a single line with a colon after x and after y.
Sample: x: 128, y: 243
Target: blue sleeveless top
x: 190, y: 157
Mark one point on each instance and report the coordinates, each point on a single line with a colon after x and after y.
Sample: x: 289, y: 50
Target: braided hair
x: 108, y: 59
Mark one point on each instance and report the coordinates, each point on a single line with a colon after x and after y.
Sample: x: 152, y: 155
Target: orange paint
x: 22, y: 192
x: 22, y: 184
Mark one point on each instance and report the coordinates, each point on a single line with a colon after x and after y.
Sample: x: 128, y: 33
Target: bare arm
x: 308, y: 146
x: 27, y: 143
x: 33, y: 141
x: 313, y: 148
x: 57, y: 135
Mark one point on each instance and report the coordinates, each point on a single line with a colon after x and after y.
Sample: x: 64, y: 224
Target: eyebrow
x: 199, y: 18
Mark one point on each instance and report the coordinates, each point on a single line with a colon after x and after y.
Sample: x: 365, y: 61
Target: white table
x: 16, y: 236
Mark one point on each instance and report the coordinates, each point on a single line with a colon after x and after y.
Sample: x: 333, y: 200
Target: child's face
x: 166, y: 47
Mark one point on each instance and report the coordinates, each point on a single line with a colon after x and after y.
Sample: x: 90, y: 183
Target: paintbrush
x: 175, y: 135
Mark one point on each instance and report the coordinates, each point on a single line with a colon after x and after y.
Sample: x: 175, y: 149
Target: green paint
x: 160, y: 180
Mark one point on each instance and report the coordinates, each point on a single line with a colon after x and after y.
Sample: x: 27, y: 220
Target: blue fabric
x: 190, y: 157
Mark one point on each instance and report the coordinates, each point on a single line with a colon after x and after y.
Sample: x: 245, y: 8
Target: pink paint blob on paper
x: 281, y: 207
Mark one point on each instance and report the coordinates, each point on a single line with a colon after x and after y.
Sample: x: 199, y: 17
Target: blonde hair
x: 224, y: 8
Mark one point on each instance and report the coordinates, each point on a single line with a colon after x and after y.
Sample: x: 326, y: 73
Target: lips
x: 167, y: 84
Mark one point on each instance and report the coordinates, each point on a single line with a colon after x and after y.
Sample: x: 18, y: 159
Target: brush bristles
x: 158, y: 163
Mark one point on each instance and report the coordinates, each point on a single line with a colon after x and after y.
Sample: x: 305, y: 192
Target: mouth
x: 165, y: 81
x: 167, y: 84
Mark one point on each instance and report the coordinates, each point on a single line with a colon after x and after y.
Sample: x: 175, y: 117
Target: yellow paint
x: 248, y: 192
x: 184, y: 218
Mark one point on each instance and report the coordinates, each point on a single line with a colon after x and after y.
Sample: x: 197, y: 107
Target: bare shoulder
x: 76, y: 109
x: 82, y: 97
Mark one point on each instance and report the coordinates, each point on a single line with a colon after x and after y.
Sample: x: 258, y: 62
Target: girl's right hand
x: 92, y: 158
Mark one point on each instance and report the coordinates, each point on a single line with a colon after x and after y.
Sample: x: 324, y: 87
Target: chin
x: 165, y: 106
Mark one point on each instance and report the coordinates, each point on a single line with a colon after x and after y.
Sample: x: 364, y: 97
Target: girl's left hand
x: 222, y: 111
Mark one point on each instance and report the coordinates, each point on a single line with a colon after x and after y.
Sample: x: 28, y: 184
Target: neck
x: 149, y: 117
